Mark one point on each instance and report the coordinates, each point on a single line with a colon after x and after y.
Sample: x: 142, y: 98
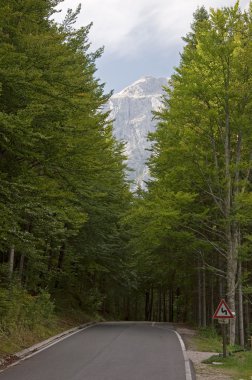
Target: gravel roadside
x: 203, y: 371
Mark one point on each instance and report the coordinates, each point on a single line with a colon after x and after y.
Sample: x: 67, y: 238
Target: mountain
x: 131, y: 109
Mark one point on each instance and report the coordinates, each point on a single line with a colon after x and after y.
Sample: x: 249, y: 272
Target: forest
x: 75, y: 241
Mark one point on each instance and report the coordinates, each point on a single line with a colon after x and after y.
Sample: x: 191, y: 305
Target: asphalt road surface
x: 108, y: 351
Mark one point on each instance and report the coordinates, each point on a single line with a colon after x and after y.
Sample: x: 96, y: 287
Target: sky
x: 140, y: 37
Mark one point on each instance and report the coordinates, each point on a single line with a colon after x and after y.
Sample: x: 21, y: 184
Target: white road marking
x: 187, y: 363
x: 44, y: 348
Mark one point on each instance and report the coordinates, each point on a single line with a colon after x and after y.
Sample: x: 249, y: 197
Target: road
x: 108, y: 351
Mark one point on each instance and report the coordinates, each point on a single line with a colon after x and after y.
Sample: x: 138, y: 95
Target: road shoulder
x: 30, y: 351
x: 203, y: 371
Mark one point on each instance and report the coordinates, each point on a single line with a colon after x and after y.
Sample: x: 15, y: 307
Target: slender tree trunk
x: 231, y: 227
x: 199, y: 296
x: 22, y: 257
x: 231, y: 282
x: 128, y: 308
x: 60, y: 263
x: 171, y: 313
x: 11, y: 261
x: 136, y: 309
x: 247, y: 319
x: 246, y: 311
x: 212, y: 300
x: 61, y: 256
x: 204, y: 298
x: 240, y: 302
x: 147, y: 305
x: 50, y: 259
x: 21, y: 266
x: 221, y: 285
x: 164, y: 306
x: 159, y: 304
x: 151, y: 304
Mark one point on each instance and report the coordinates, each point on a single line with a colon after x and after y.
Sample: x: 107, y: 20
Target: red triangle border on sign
x: 230, y: 314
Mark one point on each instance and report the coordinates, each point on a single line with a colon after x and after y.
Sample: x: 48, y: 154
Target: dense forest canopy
x: 63, y: 187
x: 72, y: 236
x: 194, y: 222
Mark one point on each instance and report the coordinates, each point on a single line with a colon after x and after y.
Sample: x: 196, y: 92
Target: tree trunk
x: 50, y: 259
x: 240, y: 302
x: 127, y: 308
x: 231, y: 282
x: 199, y: 296
x: 21, y: 266
x: 164, y: 306
x: 212, y: 301
x: 11, y: 261
x: 147, y: 305
x: 61, y: 256
x: 159, y: 304
x: 136, y: 309
x: 151, y: 304
x: 171, y: 313
x: 231, y: 227
x: 204, y: 323
x: 247, y: 319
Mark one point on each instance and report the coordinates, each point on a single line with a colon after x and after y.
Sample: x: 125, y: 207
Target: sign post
x: 223, y: 314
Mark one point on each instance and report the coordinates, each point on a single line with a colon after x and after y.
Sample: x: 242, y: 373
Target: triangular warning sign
x: 223, y: 311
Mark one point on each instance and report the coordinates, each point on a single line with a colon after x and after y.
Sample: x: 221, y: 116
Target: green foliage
x: 239, y: 365
x: 208, y: 340
x: 19, y: 309
x: 194, y: 220
x: 70, y: 230
x: 208, y: 332
x: 63, y: 190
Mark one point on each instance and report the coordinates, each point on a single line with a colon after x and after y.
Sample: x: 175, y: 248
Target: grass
x: 21, y: 337
x: 238, y: 363
x: 207, y: 340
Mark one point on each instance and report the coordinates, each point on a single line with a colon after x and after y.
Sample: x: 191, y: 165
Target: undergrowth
x: 239, y: 364
x: 27, y: 319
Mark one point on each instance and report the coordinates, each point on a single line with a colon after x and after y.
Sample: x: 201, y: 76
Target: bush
x: 19, y: 309
x: 208, y: 332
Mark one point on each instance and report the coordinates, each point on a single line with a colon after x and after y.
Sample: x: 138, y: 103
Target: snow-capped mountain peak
x: 131, y: 110
x: 145, y: 86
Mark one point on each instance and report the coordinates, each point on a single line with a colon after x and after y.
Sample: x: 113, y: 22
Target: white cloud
x: 127, y: 27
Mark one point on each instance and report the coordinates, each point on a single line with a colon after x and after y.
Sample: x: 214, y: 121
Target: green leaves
x: 63, y: 189
x: 198, y: 201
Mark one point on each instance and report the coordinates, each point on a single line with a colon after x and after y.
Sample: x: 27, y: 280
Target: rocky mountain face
x: 131, y: 110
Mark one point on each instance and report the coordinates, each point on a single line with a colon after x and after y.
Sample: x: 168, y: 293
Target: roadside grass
x: 207, y: 340
x: 238, y: 363
x: 20, y: 337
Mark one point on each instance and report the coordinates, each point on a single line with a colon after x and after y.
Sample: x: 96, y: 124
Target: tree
x: 62, y: 172
x: 205, y: 130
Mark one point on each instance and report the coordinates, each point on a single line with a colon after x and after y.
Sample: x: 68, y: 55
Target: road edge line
x: 187, y: 362
x: 39, y: 347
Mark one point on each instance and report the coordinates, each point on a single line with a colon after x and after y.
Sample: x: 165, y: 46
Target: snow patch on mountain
x: 131, y: 109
